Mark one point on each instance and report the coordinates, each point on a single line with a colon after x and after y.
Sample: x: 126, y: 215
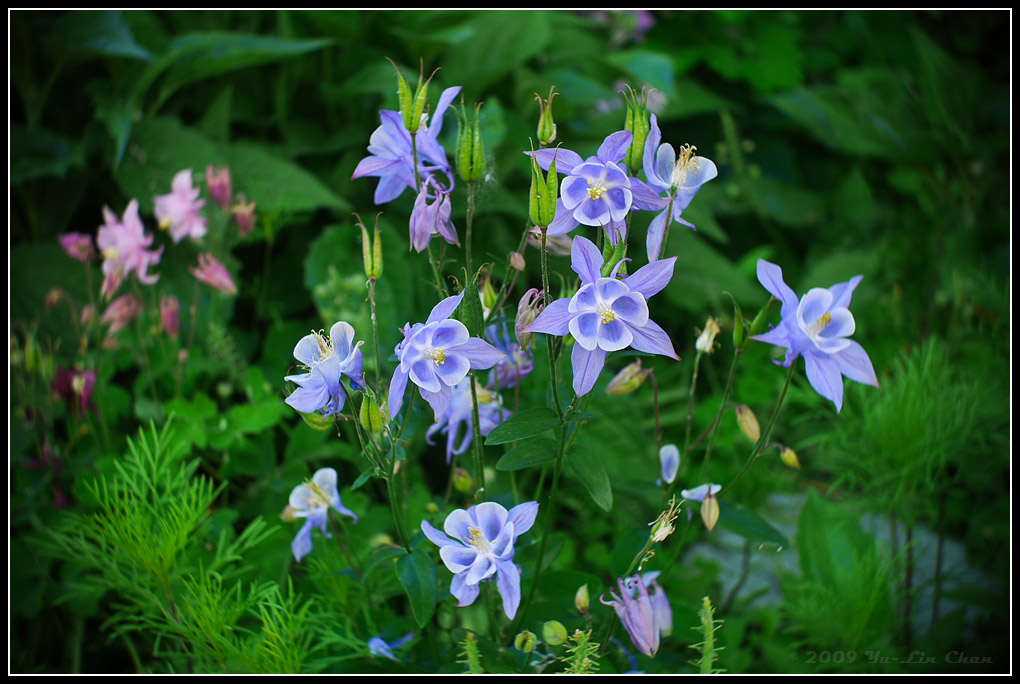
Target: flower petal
x: 652, y: 278
x: 823, y: 374
x: 302, y: 544
x: 566, y: 160
x: 491, y: 519
x: 465, y: 593
x: 523, y: 517
x: 396, y: 394
x: 585, y: 329
x: 615, y: 146
x: 586, y: 260
x: 614, y: 335
x: 652, y: 339
x: 458, y: 524
x: 439, y: 401
x: 444, y: 309
x: 554, y: 319
x: 855, y: 364
x: 479, y: 353
x: 631, y: 308
x: 435, y: 536
x: 508, y: 581
x: 458, y: 558
x: 587, y: 366
x: 453, y: 369
x: 771, y: 278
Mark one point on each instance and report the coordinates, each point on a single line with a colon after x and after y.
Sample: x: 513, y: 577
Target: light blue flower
x: 515, y: 366
x: 382, y: 649
x: 700, y: 492
x: 634, y: 608
x: 669, y: 460
x: 326, y: 361
x: 606, y: 314
x: 458, y: 417
x: 312, y: 501
x: 436, y: 355
x: 818, y: 327
x: 481, y: 544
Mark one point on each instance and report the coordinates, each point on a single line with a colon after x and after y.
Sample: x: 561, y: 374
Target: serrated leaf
x: 531, y: 453
x: 749, y: 525
x: 417, y: 573
x: 589, y: 470
x: 527, y: 423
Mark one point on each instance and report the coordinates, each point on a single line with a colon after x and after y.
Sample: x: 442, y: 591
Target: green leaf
x: 749, y: 525
x: 417, y: 573
x: 652, y: 68
x: 253, y: 418
x: 532, y: 452
x: 277, y: 185
x: 36, y: 153
x: 588, y: 469
x: 496, y: 45
x: 365, y: 477
x: 102, y: 33
x: 527, y: 423
x: 828, y: 541
x: 579, y: 416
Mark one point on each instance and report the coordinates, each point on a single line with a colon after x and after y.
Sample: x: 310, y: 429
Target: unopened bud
x: 629, y: 379
x: 706, y: 340
x: 316, y: 421
x: 404, y: 98
x: 748, y: 423
x: 462, y: 481
x: 517, y: 261
x: 710, y: 511
x: 53, y: 297
x: 546, y: 124
x: 88, y: 314
x: 554, y: 633
x: 219, y: 184
x: 488, y: 296
x: 528, y: 308
x: 789, y: 458
x: 759, y: 319
x: 525, y: 642
x: 431, y: 507
x: 581, y: 599
x: 244, y: 216
x: 470, y: 151
x: 170, y: 315
x: 370, y: 415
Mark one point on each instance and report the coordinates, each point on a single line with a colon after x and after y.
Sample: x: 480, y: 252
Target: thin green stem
x: 718, y: 416
x: 764, y: 439
x: 375, y: 335
x: 476, y: 429
x: 549, y: 347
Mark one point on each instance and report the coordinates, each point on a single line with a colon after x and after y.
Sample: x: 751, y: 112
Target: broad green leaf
x: 588, y: 469
x: 417, y: 573
x: 255, y: 417
x: 36, y: 153
x: 101, y: 33
x: 527, y: 423
x: 749, y: 525
x: 647, y: 67
x: 530, y: 453
x: 276, y: 184
x: 499, y: 42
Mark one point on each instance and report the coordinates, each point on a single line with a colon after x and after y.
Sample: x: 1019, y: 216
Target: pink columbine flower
x: 170, y: 315
x: 121, y: 311
x: 179, y: 211
x: 244, y: 216
x: 77, y: 245
x: 220, y: 186
x: 124, y: 244
x: 213, y: 273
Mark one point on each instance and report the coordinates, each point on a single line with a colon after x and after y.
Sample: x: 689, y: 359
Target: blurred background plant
x: 872, y: 143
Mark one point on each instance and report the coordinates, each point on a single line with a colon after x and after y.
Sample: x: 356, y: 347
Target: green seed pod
x: 738, y: 325
x: 377, y: 260
x: 366, y: 250
x: 470, y: 151
x: 581, y: 599
x: 404, y: 97
x: 370, y: 415
x: 420, y: 100
x: 554, y: 633
x: 759, y: 320
x: 637, y: 122
x: 542, y: 204
x: 546, y: 124
x: 525, y: 642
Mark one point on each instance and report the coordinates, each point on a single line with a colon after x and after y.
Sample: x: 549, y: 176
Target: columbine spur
x: 817, y: 327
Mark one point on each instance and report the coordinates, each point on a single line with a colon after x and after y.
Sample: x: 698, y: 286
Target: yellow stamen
x: 477, y: 539
x: 438, y: 356
x: 818, y: 326
x: 596, y: 190
x: 164, y: 224
x: 606, y: 312
x: 685, y: 163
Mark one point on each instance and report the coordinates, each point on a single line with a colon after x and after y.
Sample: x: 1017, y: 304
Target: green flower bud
x: 470, y: 151
x: 404, y: 97
x: 488, y: 295
x: 370, y: 415
x: 738, y: 325
x: 546, y: 125
x: 789, y: 458
x: 628, y: 380
x: 637, y: 122
x: 554, y: 633
x: 581, y: 599
x: 748, y: 423
x: 316, y: 421
x: 462, y: 481
x: 759, y: 320
x: 525, y: 642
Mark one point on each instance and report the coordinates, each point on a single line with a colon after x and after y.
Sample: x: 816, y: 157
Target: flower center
x: 437, y: 356
x: 605, y: 310
x: 478, y: 540
x: 318, y: 499
x: 111, y: 253
x: 816, y: 328
x: 597, y: 189
x: 685, y: 163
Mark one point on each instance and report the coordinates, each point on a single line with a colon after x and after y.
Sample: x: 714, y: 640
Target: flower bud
x: 53, y: 297
x: 789, y: 458
x: 316, y: 421
x: 244, y: 216
x: 710, y: 511
x: 528, y: 308
x: 525, y: 642
x: 488, y: 296
x: 213, y: 273
x: 629, y: 379
x: 546, y: 124
x: 370, y: 415
x: 637, y: 122
x: 581, y: 599
x: 706, y: 340
x: 517, y: 261
x: 554, y: 633
x: 88, y: 314
x: 748, y: 423
x: 759, y: 319
x: 121, y: 311
x: 669, y: 462
x: 220, y: 186
x: 470, y: 151
x: 544, y: 191
x: 77, y: 245
x: 462, y: 481
x: 431, y: 507
x: 170, y: 315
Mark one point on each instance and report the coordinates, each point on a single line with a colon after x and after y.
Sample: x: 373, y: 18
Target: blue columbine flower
x: 515, y: 366
x: 382, y: 649
x: 326, y: 361
x: 436, y: 355
x: 458, y: 416
x: 679, y: 176
x: 481, y: 544
x: 636, y: 612
x: 431, y: 219
x: 606, y: 314
x: 817, y: 327
x: 312, y: 501
x: 391, y: 157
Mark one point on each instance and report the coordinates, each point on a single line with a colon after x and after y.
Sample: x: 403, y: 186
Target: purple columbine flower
x: 123, y: 244
x: 432, y: 219
x: 817, y: 327
x: 382, y: 649
x: 660, y: 604
x: 213, y: 273
x: 480, y: 545
x: 678, y: 176
x: 179, y: 210
x: 312, y: 501
x: 326, y: 361
x: 436, y: 355
x: 458, y: 417
x: 391, y: 158
x: 606, y: 314
x: 635, y: 610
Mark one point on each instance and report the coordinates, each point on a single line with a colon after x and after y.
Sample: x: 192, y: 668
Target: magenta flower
x: 124, y: 244
x: 77, y: 245
x: 213, y: 273
x: 480, y: 544
x: 244, y: 216
x: 76, y: 386
x: 818, y: 327
x: 436, y: 355
x: 121, y: 311
x: 606, y: 314
x: 391, y: 158
x: 220, y: 186
x: 179, y: 211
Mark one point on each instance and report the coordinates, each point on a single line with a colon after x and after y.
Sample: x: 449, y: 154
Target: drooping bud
x: 53, y: 297
x: 637, y: 122
x: 525, y: 642
x: 244, y: 216
x: 470, y: 151
x: 706, y: 340
x: 710, y: 511
x: 370, y: 415
x: 544, y: 191
x: 581, y: 599
x: 629, y: 379
x: 213, y: 273
x: 78, y: 246
x: 170, y: 315
x: 669, y: 462
x: 748, y: 423
x: 517, y: 261
x: 554, y: 633
x: 220, y: 185
x: 789, y: 458
x: 462, y: 481
x: 528, y: 308
x: 121, y: 311
x: 546, y: 124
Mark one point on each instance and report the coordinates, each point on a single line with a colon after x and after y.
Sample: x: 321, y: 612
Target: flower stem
x: 718, y: 416
x: 476, y: 429
x: 764, y: 439
x: 375, y: 335
x: 552, y: 357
